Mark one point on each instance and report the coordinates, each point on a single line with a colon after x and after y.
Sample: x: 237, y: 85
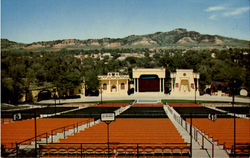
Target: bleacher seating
x: 22, y: 130
x: 153, y: 136
x: 6, y: 120
x: 222, y: 131
x: 130, y: 131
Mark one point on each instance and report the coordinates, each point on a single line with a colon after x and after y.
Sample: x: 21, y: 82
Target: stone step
x: 197, y: 149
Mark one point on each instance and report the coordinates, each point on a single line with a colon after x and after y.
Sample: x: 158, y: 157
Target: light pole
x: 35, y: 134
x: 55, y: 99
x: 108, y: 122
x: 233, y: 102
x: 101, y: 94
x: 191, y: 135
x: 195, y: 88
x: 108, y: 118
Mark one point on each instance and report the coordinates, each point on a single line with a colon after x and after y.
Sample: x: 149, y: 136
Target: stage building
x: 184, y: 82
x: 149, y: 80
x: 114, y: 84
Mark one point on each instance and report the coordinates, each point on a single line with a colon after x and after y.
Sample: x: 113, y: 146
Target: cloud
x: 236, y: 11
x: 221, y: 11
x: 215, y: 8
x: 212, y: 17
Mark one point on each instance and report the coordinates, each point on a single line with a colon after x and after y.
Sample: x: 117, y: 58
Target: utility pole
x: 55, y: 99
x: 108, y: 118
x: 195, y: 93
x: 191, y: 135
x: 35, y: 134
x: 101, y: 94
x: 233, y: 102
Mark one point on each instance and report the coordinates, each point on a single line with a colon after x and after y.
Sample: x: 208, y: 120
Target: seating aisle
x: 125, y: 130
x: 22, y: 130
x: 222, y: 131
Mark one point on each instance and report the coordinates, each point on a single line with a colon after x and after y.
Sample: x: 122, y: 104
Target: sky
x: 44, y: 20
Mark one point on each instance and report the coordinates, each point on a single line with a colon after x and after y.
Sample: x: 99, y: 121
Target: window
x: 122, y: 86
x: 192, y: 85
x: 113, y: 88
x: 104, y: 86
x: 176, y: 85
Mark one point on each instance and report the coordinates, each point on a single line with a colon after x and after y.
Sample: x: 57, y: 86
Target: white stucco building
x: 114, y: 84
x: 184, y: 82
x: 149, y: 80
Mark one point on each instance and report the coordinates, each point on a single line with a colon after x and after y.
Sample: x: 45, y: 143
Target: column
x: 126, y: 86
x: 160, y: 84
x: 109, y: 87
x: 137, y: 85
x: 197, y: 84
x: 163, y: 83
x: 117, y: 86
x: 171, y: 84
x: 134, y: 85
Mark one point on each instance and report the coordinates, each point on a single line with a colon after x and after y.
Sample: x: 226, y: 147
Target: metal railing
x: 198, y: 136
x: 115, y: 149
x: 46, y: 135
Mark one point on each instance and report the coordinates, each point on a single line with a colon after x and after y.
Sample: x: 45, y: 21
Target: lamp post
x: 108, y: 118
x: 195, y: 88
x: 191, y: 135
x: 108, y: 122
x: 55, y: 99
x: 101, y: 94
x: 233, y: 102
x: 35, y: 133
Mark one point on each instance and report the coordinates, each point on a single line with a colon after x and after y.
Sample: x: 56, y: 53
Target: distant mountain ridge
x: 178, y: 38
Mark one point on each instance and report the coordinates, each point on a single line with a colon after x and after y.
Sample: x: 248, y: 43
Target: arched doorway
x: 149, y: 83
x: 44, y: 95
x: 113, y: 88
x: 184, y: 87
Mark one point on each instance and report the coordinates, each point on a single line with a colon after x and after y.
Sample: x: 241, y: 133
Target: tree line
x: 23, y: 71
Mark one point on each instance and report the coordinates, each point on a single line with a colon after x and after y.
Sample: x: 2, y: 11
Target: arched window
x: 122, y: 86
x: 113, y: 88
x: 104, y: 86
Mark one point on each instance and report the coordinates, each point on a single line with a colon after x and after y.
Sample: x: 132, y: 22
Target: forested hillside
x: 24, y: 71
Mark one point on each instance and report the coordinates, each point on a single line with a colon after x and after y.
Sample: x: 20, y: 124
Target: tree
x: 92, y: 82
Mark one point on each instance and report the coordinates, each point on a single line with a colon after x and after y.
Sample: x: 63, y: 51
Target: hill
x: 178, y: 38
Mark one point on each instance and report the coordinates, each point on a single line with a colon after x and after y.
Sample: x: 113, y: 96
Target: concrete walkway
x: 62, y: 135
x: 199, y: 150
x: 149, y: 96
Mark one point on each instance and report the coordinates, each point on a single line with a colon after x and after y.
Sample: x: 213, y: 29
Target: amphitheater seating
x: 22, y: 130
x: 130, y: 131
x: 6, y: 120
x: 222, y: 131
x: 184, y: 105
x: 124, y: 135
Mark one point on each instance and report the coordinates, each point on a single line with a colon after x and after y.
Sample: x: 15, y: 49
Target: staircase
x: 202, y: 146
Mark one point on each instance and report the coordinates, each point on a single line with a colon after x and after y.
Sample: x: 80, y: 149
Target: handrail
x: 202, y: 145
x: 180, y: 120
x: 115, y: 143
x: 47, y: 133
x: 137, y: 148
